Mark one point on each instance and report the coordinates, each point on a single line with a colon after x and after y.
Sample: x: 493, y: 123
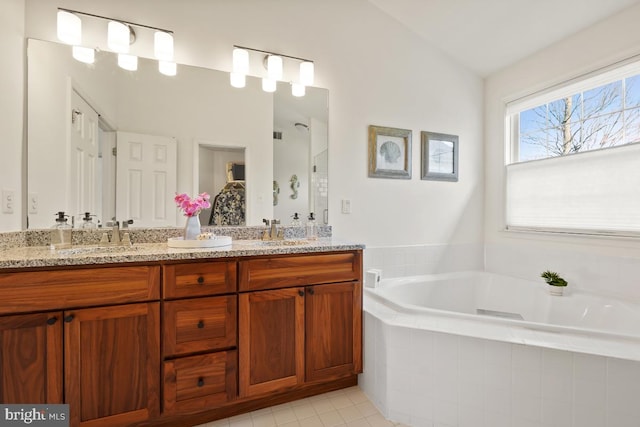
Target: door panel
x: 271, y: 334
x: 146, y: 179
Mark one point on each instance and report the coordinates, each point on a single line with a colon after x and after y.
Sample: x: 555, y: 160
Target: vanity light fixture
x: 120, y: 36
x: 69, y: 27
x: 274, y: 63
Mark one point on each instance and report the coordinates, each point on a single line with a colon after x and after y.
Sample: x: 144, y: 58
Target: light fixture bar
x: 133, y: 24
x: 273, y: 53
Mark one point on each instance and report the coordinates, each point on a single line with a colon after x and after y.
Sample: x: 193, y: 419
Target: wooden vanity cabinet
x: 199, y: 335
x: 307, y: 330
x: 100, y: 324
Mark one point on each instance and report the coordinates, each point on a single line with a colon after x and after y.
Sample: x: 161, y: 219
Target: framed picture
x: 389, y: 152
x: 439, y: 158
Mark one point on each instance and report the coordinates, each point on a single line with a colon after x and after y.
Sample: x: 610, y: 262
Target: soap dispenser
x: 295, y: 222
x: 61, y: 232
x: 87, y: 221
x: 312, y: 232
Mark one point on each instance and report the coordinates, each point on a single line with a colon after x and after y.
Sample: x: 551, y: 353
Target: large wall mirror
x: 119, y: 143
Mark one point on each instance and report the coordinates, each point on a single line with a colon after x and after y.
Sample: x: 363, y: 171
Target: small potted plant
x: 556, y: 283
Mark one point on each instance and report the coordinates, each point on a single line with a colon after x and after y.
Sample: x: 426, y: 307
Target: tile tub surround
x: 402, y: 261
x: 425, y: 378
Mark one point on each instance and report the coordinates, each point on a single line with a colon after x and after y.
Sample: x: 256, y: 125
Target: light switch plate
x: 346, y: 206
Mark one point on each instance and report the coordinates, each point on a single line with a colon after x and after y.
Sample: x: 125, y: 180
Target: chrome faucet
x: 115, y: 233
x: 272, y: 233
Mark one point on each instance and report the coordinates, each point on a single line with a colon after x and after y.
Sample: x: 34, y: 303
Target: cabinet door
x: 271, y: 334
x: 112, y: 364
x: 333, y: 315
x: 31, y: 358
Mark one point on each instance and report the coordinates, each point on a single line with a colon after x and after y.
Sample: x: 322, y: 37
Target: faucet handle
x: 265, y: 221
x: 127, y: 223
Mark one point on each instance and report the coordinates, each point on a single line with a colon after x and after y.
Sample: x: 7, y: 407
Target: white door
x: 146, y: 179
x: 83, y: 181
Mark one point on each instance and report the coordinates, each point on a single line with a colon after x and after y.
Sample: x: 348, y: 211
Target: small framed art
x: 389, y: 152
x: 439, y: 156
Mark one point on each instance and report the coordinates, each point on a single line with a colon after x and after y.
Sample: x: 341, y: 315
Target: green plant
x: 553, y: 279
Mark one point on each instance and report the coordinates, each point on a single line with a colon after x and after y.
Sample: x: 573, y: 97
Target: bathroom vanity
x: 178, y: 337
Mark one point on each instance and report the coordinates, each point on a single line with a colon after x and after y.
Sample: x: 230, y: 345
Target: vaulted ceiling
x: 487, y: 35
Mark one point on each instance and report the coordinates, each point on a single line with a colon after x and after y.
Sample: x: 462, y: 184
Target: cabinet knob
x: 310, y: 290
x: 200, y: 382
x: 301, y: 292
x: 52, y: 320
x: 69, y: 318
x: 200, y: 280
x: 201, y: 324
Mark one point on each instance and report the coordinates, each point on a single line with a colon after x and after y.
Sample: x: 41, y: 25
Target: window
x: 575, y: 156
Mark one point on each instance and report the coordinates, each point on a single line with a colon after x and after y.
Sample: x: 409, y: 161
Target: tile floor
x: 348, y: 407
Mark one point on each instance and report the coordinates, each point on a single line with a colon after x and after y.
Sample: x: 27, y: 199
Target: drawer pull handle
x: 52, y: 320
x: 201, y: 324
x: 200, y: 382
x: 200, y: 280
x: 68, y: 318
x: 310, y: 290
x: 301, y: 292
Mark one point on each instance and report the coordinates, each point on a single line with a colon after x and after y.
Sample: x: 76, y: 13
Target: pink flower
x: 192, y: 207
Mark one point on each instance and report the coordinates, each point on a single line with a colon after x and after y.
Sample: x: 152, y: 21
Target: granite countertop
x: 43, y: 256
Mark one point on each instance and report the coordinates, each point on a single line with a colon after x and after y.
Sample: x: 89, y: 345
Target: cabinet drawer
x: 285, y: 271
x: 201, y: 324
x: 199, y: 382
x: 82, y: 287
x: 199, y: 279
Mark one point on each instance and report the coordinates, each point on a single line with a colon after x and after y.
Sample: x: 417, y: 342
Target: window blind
x: 595, y: 191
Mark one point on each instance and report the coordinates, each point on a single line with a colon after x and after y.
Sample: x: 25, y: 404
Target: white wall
x: 12, y: 22
x: 377, y: 73
x: 595, y: 263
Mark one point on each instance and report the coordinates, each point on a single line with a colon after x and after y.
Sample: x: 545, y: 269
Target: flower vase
x: 192, y: 228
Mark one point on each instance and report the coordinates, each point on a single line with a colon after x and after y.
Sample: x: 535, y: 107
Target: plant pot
x: 556, y: 290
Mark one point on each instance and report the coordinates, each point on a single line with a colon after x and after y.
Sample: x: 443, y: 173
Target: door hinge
x: 114, y: 151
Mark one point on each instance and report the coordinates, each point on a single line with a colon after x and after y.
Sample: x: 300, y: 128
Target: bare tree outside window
x: 605, y: 116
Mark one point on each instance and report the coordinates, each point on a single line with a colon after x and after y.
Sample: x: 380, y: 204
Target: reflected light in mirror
x: 69, y: 27
x: 297, y: 89
x: 238, y: 80
x: 268, y: 85
x: 167, y: 68
x: 128, y: 62
x: 84, y: 54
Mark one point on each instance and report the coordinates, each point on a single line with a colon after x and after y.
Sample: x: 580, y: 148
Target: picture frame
x: 439, y: 156
x: 389, y: 152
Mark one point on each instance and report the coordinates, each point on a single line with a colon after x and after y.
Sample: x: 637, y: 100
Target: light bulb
x: 240, y: 61
x: 118, y: 35
x: 84, y: 54
x: 167, y: 68
x: 163, y: 45
x: 274, y: 67
x: 238, y: 80
x: 297, y: 89
x: 69, y: 27
x: 306, y: 73
x: 268, y: 85
x: 128, y: 62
